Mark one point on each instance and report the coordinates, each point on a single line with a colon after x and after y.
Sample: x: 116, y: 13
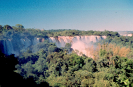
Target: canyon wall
x: 80, y: 44
x: 17, y: 45
x: 60, y: 41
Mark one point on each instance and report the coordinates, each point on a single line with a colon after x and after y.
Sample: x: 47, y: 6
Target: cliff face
x: 82, y: 44
x: 20, y: 44
x: 17, y: 45
x: 60, y: 41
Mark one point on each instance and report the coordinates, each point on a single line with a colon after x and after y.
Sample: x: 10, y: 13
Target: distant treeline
x: 52, y: 33
x: 18, y: 30
x: 111, y: 66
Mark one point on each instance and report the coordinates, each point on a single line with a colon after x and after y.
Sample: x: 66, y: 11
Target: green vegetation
x: 18, y: 28
x: 111, y: 65
x: 61, y: 69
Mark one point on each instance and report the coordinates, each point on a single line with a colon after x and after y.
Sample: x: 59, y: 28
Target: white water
x: 80, y: 43
x: 20, y: 44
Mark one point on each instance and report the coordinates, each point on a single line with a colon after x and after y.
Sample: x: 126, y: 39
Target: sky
x: 114, y: 15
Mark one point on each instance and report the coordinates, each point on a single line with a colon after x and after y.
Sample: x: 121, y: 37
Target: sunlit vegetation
x: 110, y: 50
x: 111, y: 64
x: 112, y: 67
x: 19, y: 28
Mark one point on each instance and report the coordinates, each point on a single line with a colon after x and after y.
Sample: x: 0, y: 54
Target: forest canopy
x: 18, y: 28
x: 111, y: 65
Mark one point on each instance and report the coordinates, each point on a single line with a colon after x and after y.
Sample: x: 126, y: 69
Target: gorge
x: 17, y: 45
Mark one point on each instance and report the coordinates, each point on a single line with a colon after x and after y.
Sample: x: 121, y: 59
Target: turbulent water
x: 17, y: 45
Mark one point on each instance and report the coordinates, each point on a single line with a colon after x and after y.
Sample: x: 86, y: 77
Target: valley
x: 66, y: 57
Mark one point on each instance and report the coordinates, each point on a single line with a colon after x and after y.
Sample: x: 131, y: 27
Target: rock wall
x: 60, y: 41
x: 82, y: 44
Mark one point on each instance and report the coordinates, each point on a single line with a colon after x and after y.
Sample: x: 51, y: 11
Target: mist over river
x: 21, y: 44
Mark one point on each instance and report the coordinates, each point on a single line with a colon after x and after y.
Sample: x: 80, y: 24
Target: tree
x: 40, y: 65
x: 52, y: 48
x: 19, y: 26
x: 1, y: 27
x: 68, y: 45
x: 28, y: 69
x: 8, y: 27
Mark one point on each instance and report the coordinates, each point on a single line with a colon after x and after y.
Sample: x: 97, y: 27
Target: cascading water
x: 35, y: 41
x: 17, y: 45
x: 9, y: 46
x: 80, y: 43
x: 60, y: 41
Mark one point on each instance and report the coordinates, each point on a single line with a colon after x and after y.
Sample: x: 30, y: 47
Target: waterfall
x: 80, y: 43
x: 17, y: 45
x: 60, y: 41
x: 9, y: 46
x: 35, y: 41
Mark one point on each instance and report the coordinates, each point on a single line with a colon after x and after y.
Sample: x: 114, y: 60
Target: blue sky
x: 116, y: 15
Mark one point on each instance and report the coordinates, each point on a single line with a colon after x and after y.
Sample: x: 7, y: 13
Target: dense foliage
x: 62, y: 69
x: 111, y: 65
x: 9, y: 78
x: 18, y: 28
x: 58, y: 68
